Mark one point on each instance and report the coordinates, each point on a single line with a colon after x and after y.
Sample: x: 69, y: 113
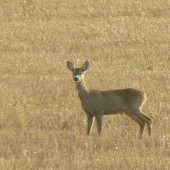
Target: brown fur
x: 98, y: 103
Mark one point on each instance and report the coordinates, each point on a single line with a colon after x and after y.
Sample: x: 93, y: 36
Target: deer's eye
x: 80, y: 73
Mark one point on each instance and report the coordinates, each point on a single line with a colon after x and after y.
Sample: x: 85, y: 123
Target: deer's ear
x: 70, y: 65
x: 85, y: 66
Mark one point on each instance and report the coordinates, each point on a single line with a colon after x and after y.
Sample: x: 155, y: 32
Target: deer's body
x: 98, y: 103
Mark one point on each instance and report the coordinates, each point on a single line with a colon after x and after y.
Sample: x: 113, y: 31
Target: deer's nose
x: 76, y: 79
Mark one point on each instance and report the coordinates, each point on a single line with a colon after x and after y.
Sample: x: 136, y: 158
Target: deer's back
x: 126, y: 96
x: 113, y: 101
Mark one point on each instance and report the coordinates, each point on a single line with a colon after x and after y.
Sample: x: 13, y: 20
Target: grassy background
x: 42, y: 125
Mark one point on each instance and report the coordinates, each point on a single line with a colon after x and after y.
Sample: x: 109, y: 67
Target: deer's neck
x: 82, y: 90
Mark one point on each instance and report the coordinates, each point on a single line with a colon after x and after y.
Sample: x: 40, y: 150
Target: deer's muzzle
x: 76, y: 79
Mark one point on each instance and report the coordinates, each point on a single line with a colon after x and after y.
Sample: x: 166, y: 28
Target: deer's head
x: 78, y: 73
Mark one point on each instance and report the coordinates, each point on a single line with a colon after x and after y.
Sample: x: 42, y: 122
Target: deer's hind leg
x: 148, y: 121
x: 138, y: 120
x: 144, y: 118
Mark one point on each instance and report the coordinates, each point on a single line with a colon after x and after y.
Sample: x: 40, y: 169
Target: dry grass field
x: 42, y: 124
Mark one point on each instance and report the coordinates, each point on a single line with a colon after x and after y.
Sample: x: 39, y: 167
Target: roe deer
x: 98, y: 103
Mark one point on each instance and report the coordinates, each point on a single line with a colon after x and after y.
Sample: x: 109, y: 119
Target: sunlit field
x: 42, y: 124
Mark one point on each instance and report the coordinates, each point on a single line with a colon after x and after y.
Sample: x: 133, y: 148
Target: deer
x: 97, y: 103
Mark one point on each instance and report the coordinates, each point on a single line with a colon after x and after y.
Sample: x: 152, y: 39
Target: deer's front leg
x: 99, y: 122
x: 90, y: 123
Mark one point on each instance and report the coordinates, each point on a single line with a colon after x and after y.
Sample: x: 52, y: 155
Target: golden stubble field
x: 42, y: 125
